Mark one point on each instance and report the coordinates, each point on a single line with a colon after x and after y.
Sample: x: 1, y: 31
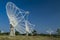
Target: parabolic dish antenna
x: 18, y: 18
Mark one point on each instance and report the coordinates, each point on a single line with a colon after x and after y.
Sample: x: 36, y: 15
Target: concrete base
x: 12, y: 31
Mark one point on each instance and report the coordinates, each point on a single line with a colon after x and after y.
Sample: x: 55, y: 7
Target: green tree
x: 34, y: 32
x: 17, y: 33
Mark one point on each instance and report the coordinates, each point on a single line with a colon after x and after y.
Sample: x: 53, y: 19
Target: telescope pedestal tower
x: 12, y: 30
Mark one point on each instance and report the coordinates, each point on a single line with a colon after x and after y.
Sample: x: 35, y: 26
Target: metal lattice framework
x: 18, y: 18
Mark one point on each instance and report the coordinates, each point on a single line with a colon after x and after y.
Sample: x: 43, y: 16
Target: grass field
x: 29, y: 38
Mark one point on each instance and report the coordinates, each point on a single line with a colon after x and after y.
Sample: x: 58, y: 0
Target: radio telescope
x: 49, y: 31
x: 18, y: 19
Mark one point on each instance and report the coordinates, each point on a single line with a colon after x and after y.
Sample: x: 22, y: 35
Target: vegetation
x: 34, y: 32
x: 35, y: 36
x: 29, y: 38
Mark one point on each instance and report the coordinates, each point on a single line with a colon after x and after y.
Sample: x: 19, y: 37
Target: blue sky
x: 45, y: 14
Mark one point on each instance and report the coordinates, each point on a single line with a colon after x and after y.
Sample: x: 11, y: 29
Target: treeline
x: 48, y: 35
x: 34, y: 33
x: 7, y: 33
